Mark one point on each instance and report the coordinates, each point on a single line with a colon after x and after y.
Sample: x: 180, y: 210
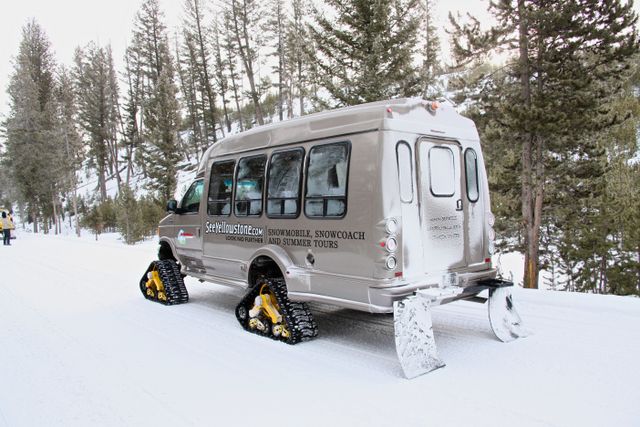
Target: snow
x: 79, y: 345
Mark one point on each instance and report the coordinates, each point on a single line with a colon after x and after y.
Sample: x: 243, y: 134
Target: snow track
x: 80, y: 346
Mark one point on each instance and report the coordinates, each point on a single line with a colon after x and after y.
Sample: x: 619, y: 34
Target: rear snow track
x: 79, y: 346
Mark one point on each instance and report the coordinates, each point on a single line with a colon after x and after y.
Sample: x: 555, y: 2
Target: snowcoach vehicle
x: 382, y: 207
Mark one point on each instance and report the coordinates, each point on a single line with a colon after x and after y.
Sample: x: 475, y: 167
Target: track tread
x: 169, y: 272
x: 297, y: 315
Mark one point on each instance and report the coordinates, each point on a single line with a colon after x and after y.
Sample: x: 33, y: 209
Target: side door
x: 442, y: 215
x: 188, y: 225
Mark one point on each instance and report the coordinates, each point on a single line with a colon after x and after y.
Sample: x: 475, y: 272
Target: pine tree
x: 244, y: 18
x: 128, y: 216
x: 32, y: 151
x: 197, y: 134
x: 132, y: 120
x: 297, y: 59
x: 221, y: 68
x: 567, y: 60
x: 97, y: 93
x: 230, y: 49
x: 195, y: 34
x: 70, y: 136
x: 161, y: 117
x: 149, y: 55
x: 431, y: 63
x: 365, y: 53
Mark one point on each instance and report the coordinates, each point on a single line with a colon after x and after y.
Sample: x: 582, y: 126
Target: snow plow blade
x: 415, y: 343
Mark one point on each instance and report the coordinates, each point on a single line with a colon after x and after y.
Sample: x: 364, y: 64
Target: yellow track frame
x: 155, y: 286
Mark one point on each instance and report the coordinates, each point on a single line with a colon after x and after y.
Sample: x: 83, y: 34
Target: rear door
x: 442, y: 216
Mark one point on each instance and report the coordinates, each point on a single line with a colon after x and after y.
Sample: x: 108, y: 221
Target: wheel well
x: 263, y: 266
x: 165, y: 252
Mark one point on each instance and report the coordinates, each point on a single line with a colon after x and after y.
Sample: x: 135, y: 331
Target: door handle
x: 459, y: 204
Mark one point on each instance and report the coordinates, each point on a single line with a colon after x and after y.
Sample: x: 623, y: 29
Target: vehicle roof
x: 403, y: 114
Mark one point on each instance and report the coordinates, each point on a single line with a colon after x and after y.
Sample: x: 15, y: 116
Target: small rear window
x: 471, y: 171
x: 405, y: 172
x: 441, y: 172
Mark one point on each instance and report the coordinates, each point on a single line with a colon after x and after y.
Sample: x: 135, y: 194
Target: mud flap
x: 505, y: 321
x: 415, y: 343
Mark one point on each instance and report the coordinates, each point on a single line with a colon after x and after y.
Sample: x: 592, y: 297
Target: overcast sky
x: 72, y: 23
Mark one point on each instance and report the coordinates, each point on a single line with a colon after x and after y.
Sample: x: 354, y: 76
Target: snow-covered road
x: 80, y: 346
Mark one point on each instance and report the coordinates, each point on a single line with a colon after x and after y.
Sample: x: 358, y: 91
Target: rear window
x: 283, y: 188
x: 327, y: 171
x: 441, y: 172
x: 221, y: 188
x: 471, y: 171
x: 249, y: 182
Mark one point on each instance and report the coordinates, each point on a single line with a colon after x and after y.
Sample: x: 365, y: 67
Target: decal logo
x: 222, y: 227
x: 183, y: 236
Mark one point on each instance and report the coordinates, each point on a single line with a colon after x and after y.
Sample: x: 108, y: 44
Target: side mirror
x: 172, y: 206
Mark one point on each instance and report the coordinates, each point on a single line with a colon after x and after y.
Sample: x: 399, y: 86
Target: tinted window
x: 283, y: 189
x: 471, y: 170
x: 326, y: 194
x: 220, y: 188
x: 405, y: 172
x: 441, y: 171
x: 249, y: 181
x: 191, y: 199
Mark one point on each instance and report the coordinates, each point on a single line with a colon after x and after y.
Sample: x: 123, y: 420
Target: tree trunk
x: 300, y: 88
x: 531, y: 238
x: 638, y: 284
x: 245, y: 55
x: 102, y: 183
x: 55, y: 213
x: 236, y: 95
x: 75, y: 211
x: 280, y: 63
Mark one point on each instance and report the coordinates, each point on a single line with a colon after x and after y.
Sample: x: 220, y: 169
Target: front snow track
x: 296, y: 319
x: 162, y: 282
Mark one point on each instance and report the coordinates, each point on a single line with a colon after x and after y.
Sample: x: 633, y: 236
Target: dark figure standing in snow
x: 6, y: 230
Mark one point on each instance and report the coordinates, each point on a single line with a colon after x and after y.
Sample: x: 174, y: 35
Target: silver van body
x: 358, y: 207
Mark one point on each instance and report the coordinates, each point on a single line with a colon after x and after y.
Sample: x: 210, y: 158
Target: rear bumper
x: 469, y: 284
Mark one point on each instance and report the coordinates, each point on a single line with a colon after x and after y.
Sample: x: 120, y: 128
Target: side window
x: 283, y: 187
x: 249, y: 181
x: 326, y: 194
x: 220, y: 188
x: 405, y: 172
x: 441, y: 172
x: 191, y: 199
x: 471, y: 171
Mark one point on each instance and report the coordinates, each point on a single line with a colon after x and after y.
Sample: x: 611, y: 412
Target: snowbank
x: 80, y: 346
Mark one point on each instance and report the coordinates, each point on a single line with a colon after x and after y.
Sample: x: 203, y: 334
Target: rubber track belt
x: 174, y: 288
x: 296, y: 315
